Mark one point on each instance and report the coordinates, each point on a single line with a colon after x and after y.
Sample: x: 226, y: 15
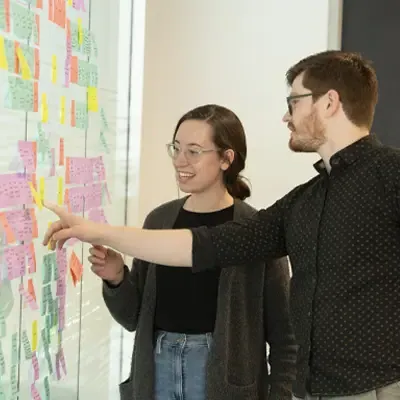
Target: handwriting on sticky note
x: 35, y: 395
x: 46, y: 388
x: 14, y: 349
x: 27, y: 151
x: 15, y: 260
x: 34, y: 335
x: 35, y: 365
x: 97, y: 215
x: 93, y: 104
x: 61, y: 259
x: 27, y: 345
x: 23, y: 20
x: 28, y: 298
x: 76, y: 268
x: 19, y: 225
x: 82, y: 170
x: 14, y: 190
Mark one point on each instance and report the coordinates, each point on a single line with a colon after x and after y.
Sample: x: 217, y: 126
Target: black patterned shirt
x: 342, y: 233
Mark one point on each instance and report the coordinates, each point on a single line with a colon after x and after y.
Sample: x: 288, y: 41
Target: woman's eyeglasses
x: 192, y: 154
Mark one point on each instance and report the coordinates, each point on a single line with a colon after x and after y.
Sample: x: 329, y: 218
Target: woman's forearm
x: 172, y: 247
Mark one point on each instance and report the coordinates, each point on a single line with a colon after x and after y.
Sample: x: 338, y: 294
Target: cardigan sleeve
x: 124, y: 301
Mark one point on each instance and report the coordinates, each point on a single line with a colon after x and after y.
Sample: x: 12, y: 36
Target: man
x: 341, y: 231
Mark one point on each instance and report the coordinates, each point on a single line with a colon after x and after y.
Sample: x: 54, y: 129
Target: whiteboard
x: 58, y: 113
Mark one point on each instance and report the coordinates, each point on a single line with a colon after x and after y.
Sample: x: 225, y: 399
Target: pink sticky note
x: 79, y: 5
x: 76, y: 199
x: 35, y: 395
x: 61, y: 316
x: 99, y: 171
x: 97, y: 215
x: 93, y: 196
x: 27, y: 152
x: 15, y: 190
x: 62, y: 360
x: 62, y: 263
x: 23, y: 224
x: 67, y: 65
x: 60, y: 291
x: 29, y: 299
x: 35, y: 365
x: 15, y: 261
x: 58, y: 370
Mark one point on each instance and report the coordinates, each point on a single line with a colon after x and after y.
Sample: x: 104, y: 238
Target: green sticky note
x: 9, y: 47
x: 27, y: 345
x: 3, y: 328
x: 21, y: 94
x: 44, y: 156
x: 13, y: 379
x: 22, y: 21
x: 87, y: 43
x: 93, y: 75
x: 75, y: 37
x: 46, y: 388
x: 29, y: 55
x: 3, y: 24
x: 49, y: 260
x: 94, y: 44
x: 2, y: 361
x: 104, y: 121
x: 104, y: 143
x: 83, y: 73
x: 14, y: 349
x: 81, y: 115
x: 46, y: 298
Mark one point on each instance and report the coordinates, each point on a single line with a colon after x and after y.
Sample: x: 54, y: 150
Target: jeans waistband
x: 181, y: 339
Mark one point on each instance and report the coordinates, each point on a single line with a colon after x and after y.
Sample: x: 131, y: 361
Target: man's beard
x: 308, y: 136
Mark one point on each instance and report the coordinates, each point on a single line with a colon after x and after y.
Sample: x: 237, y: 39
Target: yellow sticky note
x: 42, y: 184
x: 93, y: 104
x: 70, y: 2
x: 34, y: 335
x: 60, y: 188
x: 26, y: 72
x: 80, y: 31
x: 62, y: 110
x: 54, y: 68
x: 44, y: 108
x: 36, y: 196
x: 3, y: 57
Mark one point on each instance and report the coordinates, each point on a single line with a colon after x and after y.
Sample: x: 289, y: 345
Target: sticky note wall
x: 57, y: 145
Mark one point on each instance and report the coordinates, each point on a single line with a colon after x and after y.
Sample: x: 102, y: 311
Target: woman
x: 203, y: 336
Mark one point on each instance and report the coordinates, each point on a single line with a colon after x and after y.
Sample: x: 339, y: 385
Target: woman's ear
x: 227, y: 159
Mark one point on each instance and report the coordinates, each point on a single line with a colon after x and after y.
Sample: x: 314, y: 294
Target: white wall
x: 234, y: 53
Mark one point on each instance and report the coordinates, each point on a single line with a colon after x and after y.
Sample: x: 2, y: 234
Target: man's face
x: 307, y: 131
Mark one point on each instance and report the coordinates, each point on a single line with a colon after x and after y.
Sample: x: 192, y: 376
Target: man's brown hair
x: 351, y: 76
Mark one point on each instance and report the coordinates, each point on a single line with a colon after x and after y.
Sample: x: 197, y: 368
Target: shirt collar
x: 351, y: 153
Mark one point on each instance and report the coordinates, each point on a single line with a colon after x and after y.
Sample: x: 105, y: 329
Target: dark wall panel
x: 372, y: 27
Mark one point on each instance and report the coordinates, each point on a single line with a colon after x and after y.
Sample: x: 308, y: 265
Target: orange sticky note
x: 31, y: 289
x: 76, y: 268
x: 59, y: 13
x: 16, y: 58
x: 37, y: 20
x: 39, y: 3
x: 37, y: 63
x: 10, y: 237
x: 35, y: 96
x: 73, y: 117
x: 74, y: 69
x: 51, y: 10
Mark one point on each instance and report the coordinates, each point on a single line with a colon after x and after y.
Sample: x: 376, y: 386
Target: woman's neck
x: 208, y: 202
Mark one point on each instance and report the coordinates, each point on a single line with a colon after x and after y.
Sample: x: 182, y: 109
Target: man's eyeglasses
x: 290, y: 99
x: 192, y: 154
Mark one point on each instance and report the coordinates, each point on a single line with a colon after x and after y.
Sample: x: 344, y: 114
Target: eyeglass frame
x: 198, y: 152
x: 295, y: 96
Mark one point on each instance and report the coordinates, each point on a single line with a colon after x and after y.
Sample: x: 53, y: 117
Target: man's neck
x: 336, y: 143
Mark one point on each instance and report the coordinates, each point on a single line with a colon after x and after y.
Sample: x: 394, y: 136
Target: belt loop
x: 209, y: 340
x: 160, y: 337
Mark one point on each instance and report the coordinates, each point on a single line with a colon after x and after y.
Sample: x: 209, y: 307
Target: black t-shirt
x: 187, y: 301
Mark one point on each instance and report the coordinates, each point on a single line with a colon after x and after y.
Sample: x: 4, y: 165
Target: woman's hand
x: 107, y: 264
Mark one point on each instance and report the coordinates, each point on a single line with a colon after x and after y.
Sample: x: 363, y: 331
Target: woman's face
x: 196, y: 159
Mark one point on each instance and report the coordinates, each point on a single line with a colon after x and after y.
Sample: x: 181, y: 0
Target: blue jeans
x: 180, y: 365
